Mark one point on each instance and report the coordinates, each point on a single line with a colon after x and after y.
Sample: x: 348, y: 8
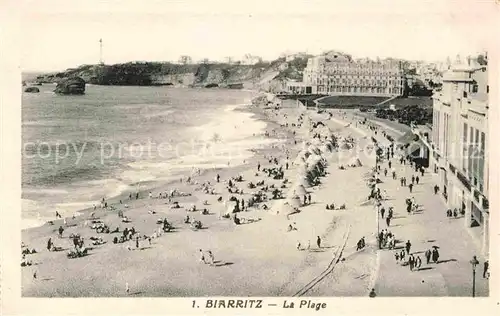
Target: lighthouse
x: 101, y: 62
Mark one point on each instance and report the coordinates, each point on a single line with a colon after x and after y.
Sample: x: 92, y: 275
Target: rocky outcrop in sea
x: 71, y: 86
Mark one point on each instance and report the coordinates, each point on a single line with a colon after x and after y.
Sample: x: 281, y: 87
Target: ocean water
x: 78, y: 149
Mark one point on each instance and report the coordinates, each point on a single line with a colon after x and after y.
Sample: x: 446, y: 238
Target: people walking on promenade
x: 309, y: 198
x: 418, y: 262
x: 388, y: 221
x: 385, y: 172
x: 382, y: 212
x: 402, y: 255
x: 391, y: 212
x: 410, y: 187
x: 411, y: 262
x: 422, y: 171
x: 404, y: 181
x: 485, y: 269
x: 436, y: 189
x: 417, y: 179
x: 318, y: 242
x: 412, y: 180
x: 408, y: 247
x: 428, y: 256
x: 390, y: 164
x: 435, y: 255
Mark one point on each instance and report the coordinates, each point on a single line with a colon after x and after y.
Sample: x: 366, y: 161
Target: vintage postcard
x: 250, y: 157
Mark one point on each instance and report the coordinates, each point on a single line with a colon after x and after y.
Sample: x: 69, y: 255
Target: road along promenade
x: 429, y: 226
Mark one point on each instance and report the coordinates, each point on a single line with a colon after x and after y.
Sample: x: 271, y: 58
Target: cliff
x: 264, y: 75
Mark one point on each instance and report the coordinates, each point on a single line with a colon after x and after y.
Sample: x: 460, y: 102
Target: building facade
x: 459, y: 143
x: 338, y: 74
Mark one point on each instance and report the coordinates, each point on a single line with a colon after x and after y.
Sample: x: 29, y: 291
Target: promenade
x: 452, y: 275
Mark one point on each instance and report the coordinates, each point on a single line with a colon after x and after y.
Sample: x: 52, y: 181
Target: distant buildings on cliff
x: 338, y: 74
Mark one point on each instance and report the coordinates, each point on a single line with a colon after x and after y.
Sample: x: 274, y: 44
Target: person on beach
x: 60, y: 230
x: 58, y: 215
x: 202, y: 256
x: 211, y: 258
x: 385, y: 172
x: 382, y: 212
x: 137, y: 242
x: 137, y: 196
x: 401, y: 181
x: 258, y: 166
x: 49, y: 244
x: 408, y: 247
x: 388, y: 221
x: 299, y: 245
x: 422, y: 171
x: 318, y: 242
x: 372, y: 293
x: 305, y: 199
x: 218, y: 178
x: 436, y: 189
x: 412, y: 179
x: 286, y: 165
x: 417, y: 179
x: 390, y: 164
x: 309, y: 198
x: 410, y: 187
x: 130, y: 196
x: 396, y: 255
x: 402, y: 255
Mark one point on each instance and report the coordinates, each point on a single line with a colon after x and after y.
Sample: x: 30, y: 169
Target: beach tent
x: 295, y: 203
x: 355, y: 162
x: 230, y: 205
x: 313, y: 149
x: 299, y: 190
x: 285, y: 209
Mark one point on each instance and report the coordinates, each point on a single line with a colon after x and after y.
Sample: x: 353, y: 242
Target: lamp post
x: 474, y: 263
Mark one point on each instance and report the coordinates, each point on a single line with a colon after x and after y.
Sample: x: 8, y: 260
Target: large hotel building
x: 338, y: 74
x: 458, y: 144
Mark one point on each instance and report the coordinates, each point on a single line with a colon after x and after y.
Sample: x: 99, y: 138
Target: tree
x: 185, y: 60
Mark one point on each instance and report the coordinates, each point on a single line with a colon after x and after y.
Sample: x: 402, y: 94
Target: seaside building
x: 459, y: 141
x: 338, y: 74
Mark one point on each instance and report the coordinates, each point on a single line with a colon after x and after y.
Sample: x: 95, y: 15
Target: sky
x: 55, y: 35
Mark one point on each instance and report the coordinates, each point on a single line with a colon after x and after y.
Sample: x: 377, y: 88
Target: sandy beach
x: 258, y: 257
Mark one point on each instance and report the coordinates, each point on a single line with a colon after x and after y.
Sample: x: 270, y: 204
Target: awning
x: 407, y: 138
